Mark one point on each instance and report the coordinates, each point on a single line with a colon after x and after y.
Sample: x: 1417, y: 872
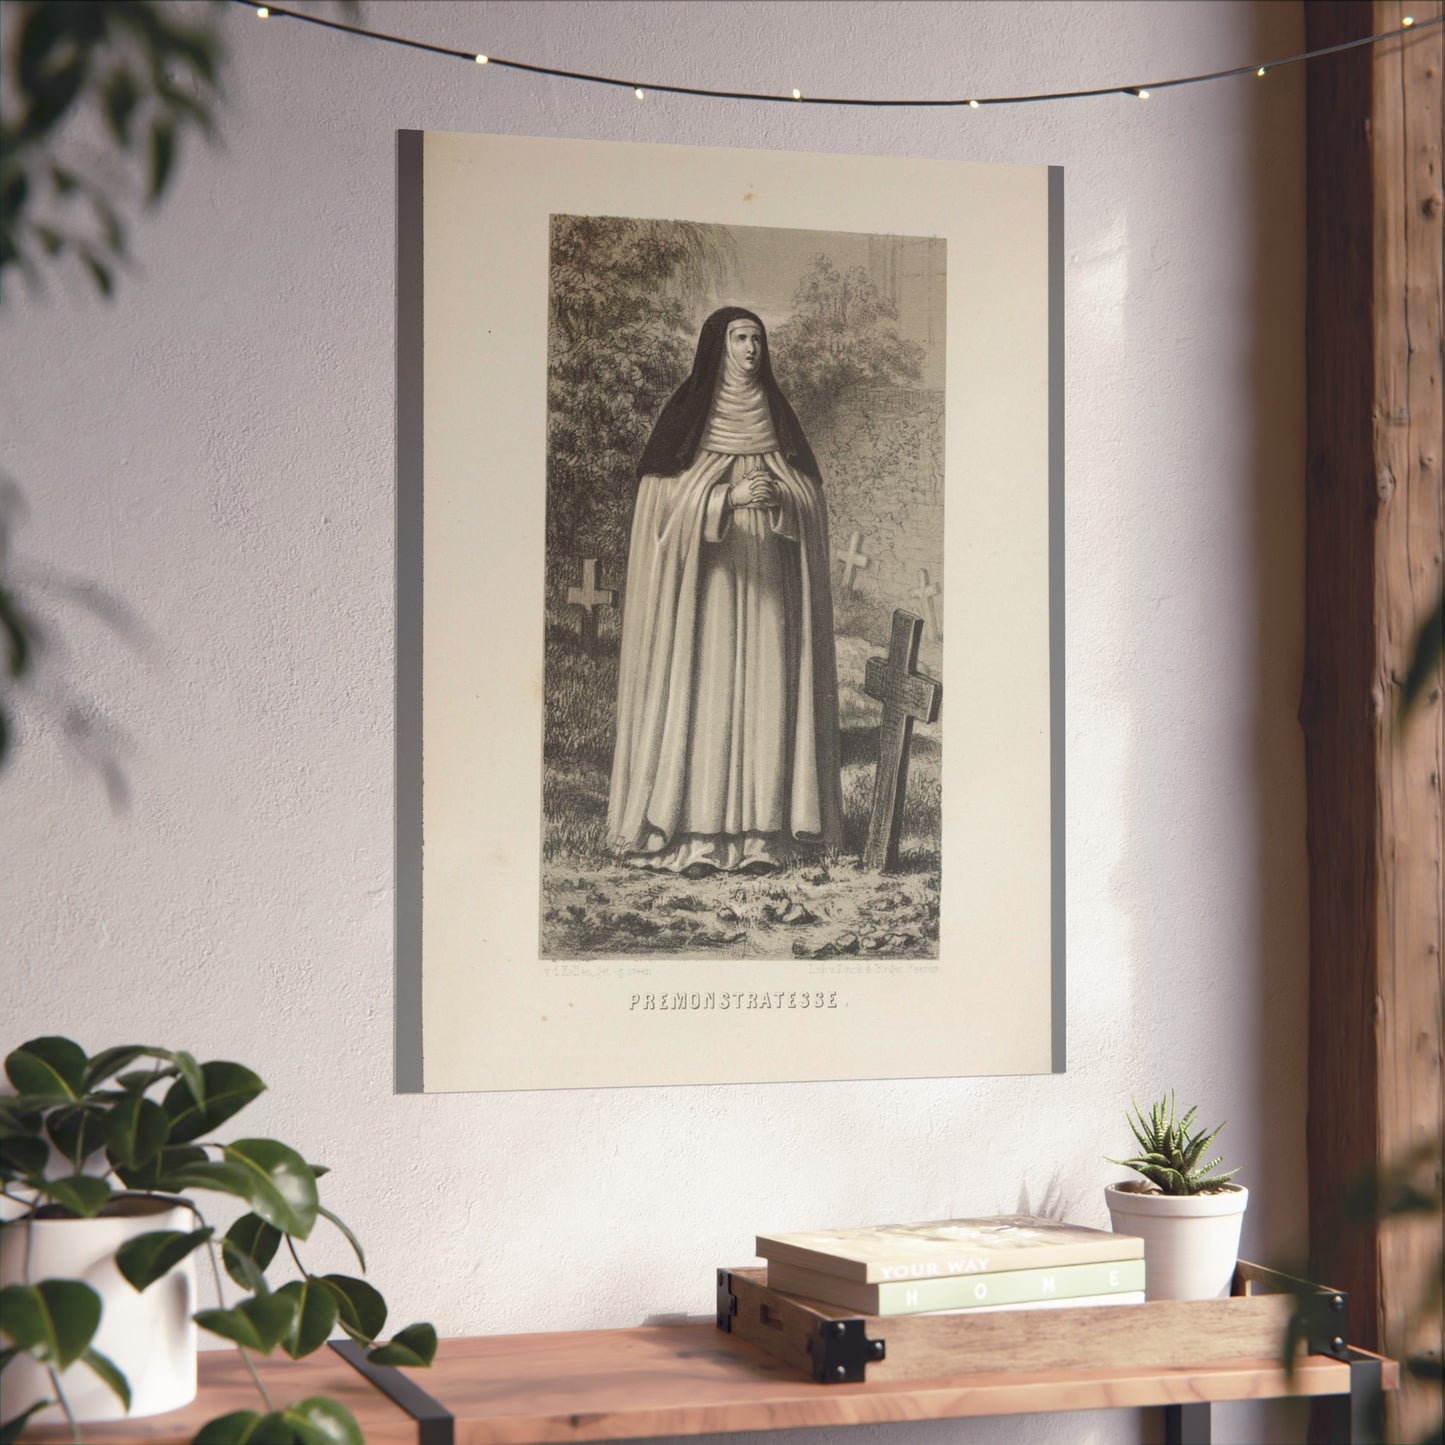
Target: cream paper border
x: 493, y: 1014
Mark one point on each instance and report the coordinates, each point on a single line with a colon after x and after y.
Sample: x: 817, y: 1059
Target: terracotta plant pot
x: 149, y: 1336
x: 1191, y: 1241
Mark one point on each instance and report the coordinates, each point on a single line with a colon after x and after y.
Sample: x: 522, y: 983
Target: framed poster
x: 729, y: 616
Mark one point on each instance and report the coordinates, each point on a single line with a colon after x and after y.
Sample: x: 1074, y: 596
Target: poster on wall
x: 729, y: 616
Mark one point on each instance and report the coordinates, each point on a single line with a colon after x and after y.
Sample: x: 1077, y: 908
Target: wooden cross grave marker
x: 906, y: 694
x: 853, y: 559
x: 926, y: 591
x: 589, y: 597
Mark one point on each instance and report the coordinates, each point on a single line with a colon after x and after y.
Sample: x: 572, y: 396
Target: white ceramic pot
x: 150, y: 1336
x: 1191, y: 1241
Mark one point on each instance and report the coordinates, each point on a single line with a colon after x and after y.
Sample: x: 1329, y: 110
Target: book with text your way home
x: 963, y: 1291
x: 883, y: 1253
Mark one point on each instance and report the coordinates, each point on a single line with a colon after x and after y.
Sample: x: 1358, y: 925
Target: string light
x: 1141, y: 91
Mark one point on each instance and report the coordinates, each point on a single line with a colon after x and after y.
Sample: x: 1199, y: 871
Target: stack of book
x: 1012, y: 1261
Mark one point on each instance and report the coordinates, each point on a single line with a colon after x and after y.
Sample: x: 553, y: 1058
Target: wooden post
x: 589, y: 597
x: 1374, y: 543
x: 905, y: 694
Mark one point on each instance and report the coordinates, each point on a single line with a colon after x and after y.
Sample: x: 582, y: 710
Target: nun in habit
x: 727, y: 696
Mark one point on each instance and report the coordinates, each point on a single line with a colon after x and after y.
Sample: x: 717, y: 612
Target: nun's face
x: 745, y: 346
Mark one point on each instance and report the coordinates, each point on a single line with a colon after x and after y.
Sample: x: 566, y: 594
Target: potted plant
x: 1186, y: 1211
x: 102, y: 1229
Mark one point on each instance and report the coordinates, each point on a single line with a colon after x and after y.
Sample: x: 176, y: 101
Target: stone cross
x: 926, y: 591
x: 589, y: 597
x: 853, y: 558
x: 906, y: 694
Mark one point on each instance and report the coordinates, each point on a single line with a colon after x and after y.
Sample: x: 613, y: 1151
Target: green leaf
x: 316, y: 1311
x: 206, y: 1174
x: 193, y: 1074
x: 232, y: 1429
x: 227, y: 1089
x: 245, y: 1427
x: 259, y: 1323
x: 19, y: 1118
x: 362, y: 1310
x: 156, y: 1174
x: 319, y: 1421
x: 11, y: 1430
x: 21, y: 1157
x: 83, y: 1194
x: 415, y: 1345
x: 282, y: 1187
x: 76, y: 1130
x: 351, y: 1239
x: 248, y: 1248
x: 136, y: 1130
x: 49, y: 1065
x: 107, y: 1370
x: 55, y: 1320
x: 149, y: 1257
x: 111, y: 1061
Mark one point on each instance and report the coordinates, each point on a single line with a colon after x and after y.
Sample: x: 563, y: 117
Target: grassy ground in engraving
x: 595, y: 907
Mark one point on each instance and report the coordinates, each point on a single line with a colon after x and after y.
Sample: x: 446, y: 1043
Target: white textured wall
x: 214, y: 450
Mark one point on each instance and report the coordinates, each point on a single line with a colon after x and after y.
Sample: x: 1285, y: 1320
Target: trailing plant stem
x: 64, y: 1404
x: 221, y: 1303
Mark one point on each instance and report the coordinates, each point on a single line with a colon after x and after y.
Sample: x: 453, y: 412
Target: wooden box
x: 836, y: 1345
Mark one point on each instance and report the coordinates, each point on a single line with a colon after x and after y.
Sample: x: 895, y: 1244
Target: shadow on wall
x: 1220, y: 844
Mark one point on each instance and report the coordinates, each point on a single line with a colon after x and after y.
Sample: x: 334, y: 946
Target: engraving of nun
x: 727, y: 712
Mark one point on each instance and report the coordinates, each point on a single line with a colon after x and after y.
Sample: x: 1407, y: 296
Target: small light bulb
x: 797, y: 94
x: 1261, y: 72
x: 482, y: 59
x: 638, y: 92
x: 973, y: 105
x: 1408, y: 21
x: 262, y: 12
x: 1143, y: 95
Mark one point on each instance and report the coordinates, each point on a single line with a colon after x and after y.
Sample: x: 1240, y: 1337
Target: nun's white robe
x: 727, y: 710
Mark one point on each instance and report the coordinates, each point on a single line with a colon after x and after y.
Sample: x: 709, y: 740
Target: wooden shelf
x: 693, y: 1379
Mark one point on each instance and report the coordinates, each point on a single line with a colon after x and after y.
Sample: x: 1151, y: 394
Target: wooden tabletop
x: 685, y: 1380
x: 226, y: 1386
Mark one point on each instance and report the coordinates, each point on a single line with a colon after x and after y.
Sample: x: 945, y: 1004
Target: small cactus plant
x: 1170, y: 1153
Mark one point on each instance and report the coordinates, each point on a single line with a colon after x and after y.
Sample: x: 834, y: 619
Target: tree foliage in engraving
x: 841, y: 335
x: 623, y: 297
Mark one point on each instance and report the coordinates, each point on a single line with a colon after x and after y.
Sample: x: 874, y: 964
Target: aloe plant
x: 1171, y: 1153
x: 80, y: 1131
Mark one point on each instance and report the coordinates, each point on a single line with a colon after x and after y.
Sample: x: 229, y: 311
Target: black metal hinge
x: 841, y: 1352
x: 727, y: 1301
x: 1327, y: 1323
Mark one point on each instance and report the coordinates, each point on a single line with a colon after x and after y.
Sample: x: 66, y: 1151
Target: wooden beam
x: 1375, y: 535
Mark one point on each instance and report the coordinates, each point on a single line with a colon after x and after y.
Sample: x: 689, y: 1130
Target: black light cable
x: 641, y: 88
